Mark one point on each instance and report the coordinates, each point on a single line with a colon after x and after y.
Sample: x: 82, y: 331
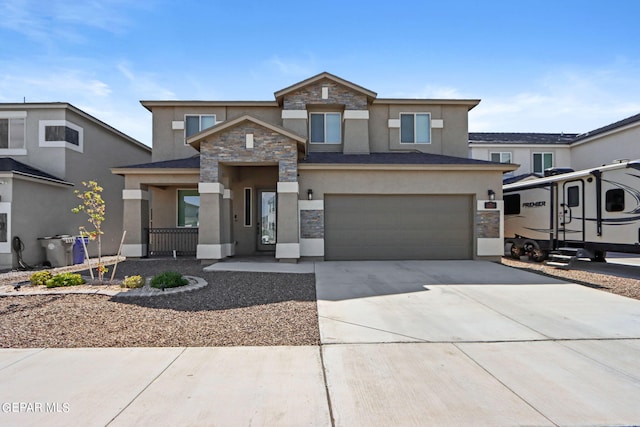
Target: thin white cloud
x: 293, y: 66
x: 144, y: 85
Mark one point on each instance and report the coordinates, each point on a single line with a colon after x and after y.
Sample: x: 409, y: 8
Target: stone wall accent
x: 229, y: 146
x: 338, y: 94
x: 312, y: 224
x: 488, y: 224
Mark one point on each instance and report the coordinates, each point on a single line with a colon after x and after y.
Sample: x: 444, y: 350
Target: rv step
x: 558, y: 264
x: 556, y: 257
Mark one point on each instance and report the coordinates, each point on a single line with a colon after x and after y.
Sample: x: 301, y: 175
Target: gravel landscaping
x: 235, y: 309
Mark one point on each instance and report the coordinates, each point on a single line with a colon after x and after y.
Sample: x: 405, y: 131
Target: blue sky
x: 537, y: 66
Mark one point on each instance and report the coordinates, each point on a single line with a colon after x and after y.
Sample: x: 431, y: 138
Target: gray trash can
x: 58, y: 250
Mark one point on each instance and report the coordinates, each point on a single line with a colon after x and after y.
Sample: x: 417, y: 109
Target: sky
x: 537, y: 66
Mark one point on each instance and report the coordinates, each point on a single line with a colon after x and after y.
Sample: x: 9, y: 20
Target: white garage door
x: 384, y: 227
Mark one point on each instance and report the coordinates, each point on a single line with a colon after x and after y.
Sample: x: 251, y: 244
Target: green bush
x: 168, y: 279
x: 65, y: 279
x: 39, y: 278
x: 133, y: 282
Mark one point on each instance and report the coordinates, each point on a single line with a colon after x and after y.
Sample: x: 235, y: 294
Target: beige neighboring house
x: 46, y: 151
x: 535, y: 152
x: 325, y: 170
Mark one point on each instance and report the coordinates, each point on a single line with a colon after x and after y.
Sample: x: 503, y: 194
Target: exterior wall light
x: 310, y: 194
x: 492, y: 194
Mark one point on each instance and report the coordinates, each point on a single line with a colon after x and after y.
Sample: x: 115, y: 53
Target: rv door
x: 572, y: 217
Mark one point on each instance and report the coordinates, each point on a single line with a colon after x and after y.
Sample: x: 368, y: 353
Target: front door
x: 267, y: 207
x: 572, y: 212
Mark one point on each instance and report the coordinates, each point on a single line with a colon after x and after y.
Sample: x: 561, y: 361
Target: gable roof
x: 519, y: 138
x: 8, y: 164
x: 324, y: 75
x: 196, y: 139
x: 619, y: 125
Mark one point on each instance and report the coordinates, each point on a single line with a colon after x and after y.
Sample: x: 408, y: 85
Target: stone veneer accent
x: 488, y: 224
x: 229, y: 146
x: 312, y: 224
x: 338, y: 94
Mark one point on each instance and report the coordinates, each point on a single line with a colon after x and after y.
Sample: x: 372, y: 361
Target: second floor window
x: 12, y: 133
x: 415, y: 128
x: 503, y: 157
x: 325, y: 128
x: 542, y: 161
x: 197, y: 123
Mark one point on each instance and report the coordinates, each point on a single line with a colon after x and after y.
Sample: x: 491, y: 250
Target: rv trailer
x: 590, y: 211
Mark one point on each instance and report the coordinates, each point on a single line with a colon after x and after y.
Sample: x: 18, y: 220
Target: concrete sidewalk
x: 270, y: 386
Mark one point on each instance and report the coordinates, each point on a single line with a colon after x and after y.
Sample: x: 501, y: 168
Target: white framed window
x: 12, y: 132
x: 415, y: 128
x: 188, y: 208
x: 61, y: 134
x: 501, y: 157
x: 194, y: 123
x: 542, y: 161
x: 325, y: 128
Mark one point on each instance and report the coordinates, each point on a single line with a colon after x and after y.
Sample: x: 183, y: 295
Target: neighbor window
x: 60, y: 133
x: 542, y: 161
x: 415, y: 128
x: 502, y: 157
x: 614, y: 200
x: 188, y: 208
x: 12, y: 133
x: 198, y: 123
x: 325, y: 128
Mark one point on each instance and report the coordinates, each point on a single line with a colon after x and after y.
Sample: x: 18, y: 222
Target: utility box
x: 58, y: 250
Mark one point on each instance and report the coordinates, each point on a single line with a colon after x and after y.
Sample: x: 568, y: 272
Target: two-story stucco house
x: 326, y: 169
x: 46, y: 151
x: 536, y: 152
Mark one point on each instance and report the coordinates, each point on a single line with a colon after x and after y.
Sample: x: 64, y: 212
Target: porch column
x: 136, y: 219
x: 210, y: 222
x: 287, y: 240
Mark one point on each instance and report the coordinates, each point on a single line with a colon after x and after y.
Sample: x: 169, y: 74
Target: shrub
x: 133, y: 282
x: 39, y: 278
x: 65, y: 279
x: 168, y: 279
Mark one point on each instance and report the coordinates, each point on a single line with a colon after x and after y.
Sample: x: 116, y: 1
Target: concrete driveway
x: 474, y: 343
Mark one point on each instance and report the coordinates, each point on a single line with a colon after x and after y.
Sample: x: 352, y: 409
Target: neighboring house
x: 535, y: 152
x: 325, y: 170
x: 608, y: 144
x: 46, y: 151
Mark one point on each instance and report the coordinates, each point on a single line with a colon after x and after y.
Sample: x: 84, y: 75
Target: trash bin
x: 58, y: 249
x: 78, y: 250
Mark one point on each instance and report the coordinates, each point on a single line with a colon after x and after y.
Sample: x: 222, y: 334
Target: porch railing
x: 163, y: 241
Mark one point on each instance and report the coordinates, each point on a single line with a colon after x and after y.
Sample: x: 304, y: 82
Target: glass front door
x: 267, y: 201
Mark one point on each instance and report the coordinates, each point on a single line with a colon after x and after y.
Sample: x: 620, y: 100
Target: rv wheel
x: 516, y: 252
x: 599, y: 256
x: 538, y: 255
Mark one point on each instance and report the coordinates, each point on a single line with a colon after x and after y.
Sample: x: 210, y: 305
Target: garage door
x: 382, y: 227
